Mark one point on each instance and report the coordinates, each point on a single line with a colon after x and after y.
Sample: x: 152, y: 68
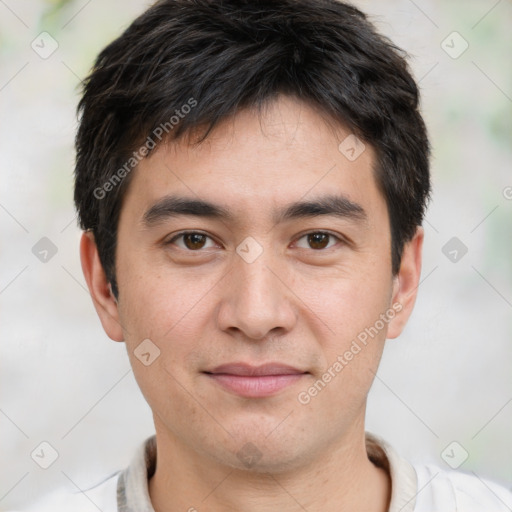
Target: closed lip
x: 249, y: 370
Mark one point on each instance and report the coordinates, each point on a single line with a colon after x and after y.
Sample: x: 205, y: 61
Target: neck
x: 342, y: 480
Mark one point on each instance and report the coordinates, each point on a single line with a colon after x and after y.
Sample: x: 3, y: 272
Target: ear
x: 99, y: 288
x: 405, y: 284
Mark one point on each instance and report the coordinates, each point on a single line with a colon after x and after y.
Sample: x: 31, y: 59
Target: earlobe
x: 406, y: 282
x: 100, y: 289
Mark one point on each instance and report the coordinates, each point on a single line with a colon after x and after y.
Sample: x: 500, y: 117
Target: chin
x: 263, y: 450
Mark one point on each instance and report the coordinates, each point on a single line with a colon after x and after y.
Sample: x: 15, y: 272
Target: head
x: 286, y: 136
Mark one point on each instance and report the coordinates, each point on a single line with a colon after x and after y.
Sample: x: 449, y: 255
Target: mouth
x: 255, y: 381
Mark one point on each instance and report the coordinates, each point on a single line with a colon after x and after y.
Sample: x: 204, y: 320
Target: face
x: 257, y: 268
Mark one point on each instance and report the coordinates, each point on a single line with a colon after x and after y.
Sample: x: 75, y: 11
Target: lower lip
x: 255, y: 386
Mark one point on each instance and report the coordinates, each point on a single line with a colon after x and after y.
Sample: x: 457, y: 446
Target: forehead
x: 257, y: 159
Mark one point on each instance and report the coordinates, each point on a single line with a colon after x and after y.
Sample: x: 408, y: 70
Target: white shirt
x: 414, y: 488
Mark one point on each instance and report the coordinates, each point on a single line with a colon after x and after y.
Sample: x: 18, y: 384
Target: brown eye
x: 194, y: 240
x: 191, y: 241
x: 317, y: 240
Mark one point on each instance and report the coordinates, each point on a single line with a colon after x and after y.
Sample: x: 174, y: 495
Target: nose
x: 256, y: 299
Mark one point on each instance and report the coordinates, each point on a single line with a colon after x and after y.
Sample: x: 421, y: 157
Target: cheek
x: 357, y: 314
x: 167, y: 323
x: 157, y: 303
x: 346, y: 305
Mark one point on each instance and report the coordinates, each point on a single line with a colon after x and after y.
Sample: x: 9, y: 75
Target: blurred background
x: 443, y: 393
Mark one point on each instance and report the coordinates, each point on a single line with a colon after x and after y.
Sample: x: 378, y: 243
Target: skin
x: 294, y: 304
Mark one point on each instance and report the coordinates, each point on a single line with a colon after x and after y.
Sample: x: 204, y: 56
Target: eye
x: 191, y: 240
x: 318, y: 240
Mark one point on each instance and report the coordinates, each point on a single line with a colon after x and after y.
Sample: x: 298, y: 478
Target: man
x: 251, y: 180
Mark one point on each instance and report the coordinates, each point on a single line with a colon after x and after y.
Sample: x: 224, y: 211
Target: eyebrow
x: 172, y: 206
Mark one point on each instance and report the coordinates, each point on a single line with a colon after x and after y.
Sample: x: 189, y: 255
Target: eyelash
x: 183, y: 233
